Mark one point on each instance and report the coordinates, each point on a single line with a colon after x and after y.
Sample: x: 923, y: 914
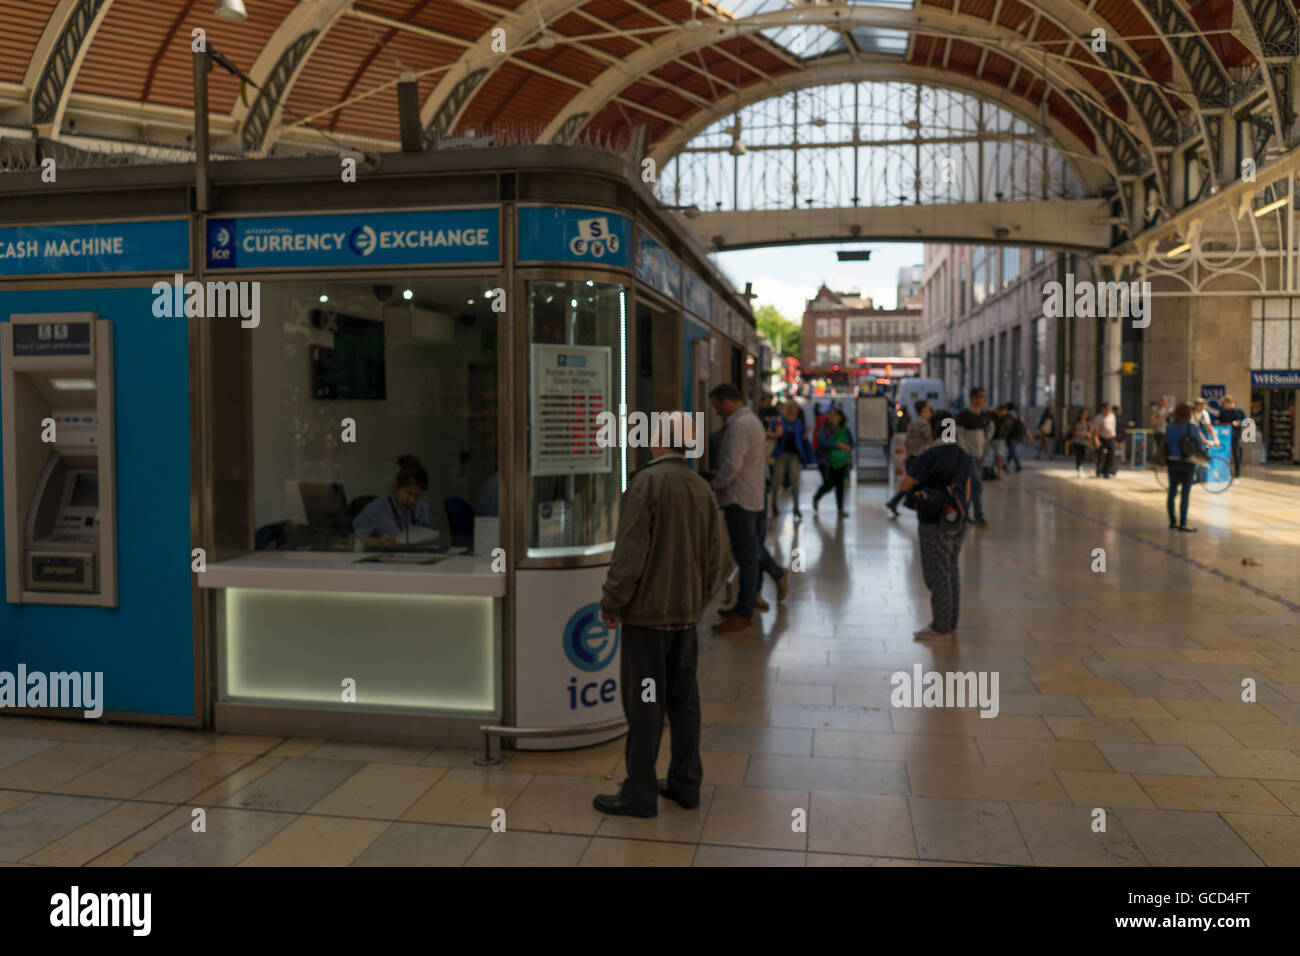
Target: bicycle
x: 1215, y: 475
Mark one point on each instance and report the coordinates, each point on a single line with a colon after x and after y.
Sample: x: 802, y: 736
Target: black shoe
x: 616, y: 805
x: 1183, y: 527
x: 1172, y: 526
x: 892, y: 509
x: 798, y: 515
x: 687, y: 803
x: 981, y: 523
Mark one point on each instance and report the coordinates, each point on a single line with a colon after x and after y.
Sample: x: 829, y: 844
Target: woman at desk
x: 385, y: 521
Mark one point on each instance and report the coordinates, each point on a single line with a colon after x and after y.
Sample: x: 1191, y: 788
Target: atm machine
x: 56, y: 400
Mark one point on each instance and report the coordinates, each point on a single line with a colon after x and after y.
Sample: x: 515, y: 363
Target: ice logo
x: 363, y: 240
x: 594, y: 238
x: 587, y: 641
x: 221, y: 237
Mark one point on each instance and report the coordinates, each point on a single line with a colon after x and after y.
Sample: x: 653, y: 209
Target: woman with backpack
x: 1183, y: 441
x: 836, y: 442
x: 1081, y: 440
x: 941, y: 478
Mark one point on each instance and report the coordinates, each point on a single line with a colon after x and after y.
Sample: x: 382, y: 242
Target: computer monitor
x: 326, y: 506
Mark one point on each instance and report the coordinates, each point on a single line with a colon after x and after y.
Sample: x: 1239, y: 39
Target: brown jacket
x: 670, y: 551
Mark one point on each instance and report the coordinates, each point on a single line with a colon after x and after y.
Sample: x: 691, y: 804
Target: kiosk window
x: 577, y: 350
x: 412, y: 366
x: 85, y: 490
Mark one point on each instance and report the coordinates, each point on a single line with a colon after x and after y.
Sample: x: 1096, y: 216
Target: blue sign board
x: 697, y: 294
x: 1224, y: 448
x: 95, y: 248
x: 1213, y: 394
x: 567, y: 234
x: 356, y: 239
x: 658, y: 267
x: 1281, y: 379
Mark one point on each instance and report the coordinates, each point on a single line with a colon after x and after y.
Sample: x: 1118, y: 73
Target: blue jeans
x: 1181, y: 475
x: 1013, y: 455
x: 747, y: 529
x: 976, y: 486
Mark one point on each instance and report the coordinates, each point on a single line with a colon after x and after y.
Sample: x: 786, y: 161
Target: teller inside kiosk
x: 57, y: 401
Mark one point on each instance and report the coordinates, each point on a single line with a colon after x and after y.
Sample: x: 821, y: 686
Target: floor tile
x: 1183, y: 838
x: 379, y: 791
x: 604, y: 852
x: 317, y: 841
x: 967, y: 831
x: 1065, y: 836
x: 422, y: 844
x: 755, y: 817
x: 231, y: 835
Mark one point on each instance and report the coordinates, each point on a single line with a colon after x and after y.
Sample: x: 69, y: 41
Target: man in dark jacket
x: 669, y: 554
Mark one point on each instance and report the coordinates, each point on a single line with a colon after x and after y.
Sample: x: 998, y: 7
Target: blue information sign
x: 356, y: 239
x: 565, y: 234
x: 95, y: 248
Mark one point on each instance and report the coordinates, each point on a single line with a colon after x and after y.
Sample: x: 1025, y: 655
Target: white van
x: 912, y: 390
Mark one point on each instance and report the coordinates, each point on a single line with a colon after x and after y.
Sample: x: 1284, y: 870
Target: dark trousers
x: 1080, y: 454
x: 1236, y: 459
x: 1181, y: 474
x: 939, y: 551
x: 747, y: 529
x: 835, y: 478
x: 669, y: 659
x: 1106, y: 456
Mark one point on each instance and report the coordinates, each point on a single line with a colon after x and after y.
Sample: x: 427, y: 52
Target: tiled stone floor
x: 1119, y: 690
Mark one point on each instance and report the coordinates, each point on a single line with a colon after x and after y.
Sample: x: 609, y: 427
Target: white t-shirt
x: 1105, y: 425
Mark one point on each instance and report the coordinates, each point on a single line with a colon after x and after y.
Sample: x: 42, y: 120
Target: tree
x: 784, y: 334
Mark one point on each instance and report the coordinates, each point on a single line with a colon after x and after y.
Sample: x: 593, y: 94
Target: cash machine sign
x: 61, y: 338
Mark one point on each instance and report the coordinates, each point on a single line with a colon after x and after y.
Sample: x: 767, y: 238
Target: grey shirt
x: 742, y: 467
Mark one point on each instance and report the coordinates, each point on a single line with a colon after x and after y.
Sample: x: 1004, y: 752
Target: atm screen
x: 85, y: 493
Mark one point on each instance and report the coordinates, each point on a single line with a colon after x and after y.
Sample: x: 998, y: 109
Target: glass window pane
x: 576, y: 371
x: 1276, y: 344
x: 1277, y: 308
x: 415, y: 363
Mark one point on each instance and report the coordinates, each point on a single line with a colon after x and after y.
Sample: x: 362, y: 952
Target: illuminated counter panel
x: 435, y: 653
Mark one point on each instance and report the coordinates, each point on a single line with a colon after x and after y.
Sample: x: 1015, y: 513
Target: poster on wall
x: 570, y: 389
x: 570, y: 658
x: 657, y: 267
x: 696, y: 294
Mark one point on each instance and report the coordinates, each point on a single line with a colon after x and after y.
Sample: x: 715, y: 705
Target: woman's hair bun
x: 408, y: 461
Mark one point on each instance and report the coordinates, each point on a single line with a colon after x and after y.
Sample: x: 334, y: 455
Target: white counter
x: 462, y: 575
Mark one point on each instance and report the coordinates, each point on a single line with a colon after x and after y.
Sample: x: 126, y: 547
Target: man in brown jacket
x: 669, y: 555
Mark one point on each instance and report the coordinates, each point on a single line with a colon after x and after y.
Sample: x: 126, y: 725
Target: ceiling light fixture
x: 1275, y: 204
x: 231, y: 10
x: 1179, y: 250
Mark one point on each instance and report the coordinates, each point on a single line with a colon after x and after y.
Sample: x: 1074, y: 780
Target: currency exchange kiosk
x: 57, y: 403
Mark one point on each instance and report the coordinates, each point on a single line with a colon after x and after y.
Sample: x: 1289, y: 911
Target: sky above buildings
x: 786, y: 276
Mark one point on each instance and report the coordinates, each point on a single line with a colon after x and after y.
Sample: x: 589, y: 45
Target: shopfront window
x: 577, y: 367
x: 351, y: 377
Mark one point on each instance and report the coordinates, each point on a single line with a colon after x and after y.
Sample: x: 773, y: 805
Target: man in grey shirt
x: 739, y: 483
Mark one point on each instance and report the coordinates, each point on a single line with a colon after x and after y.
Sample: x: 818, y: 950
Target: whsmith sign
x: 342, y: 240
